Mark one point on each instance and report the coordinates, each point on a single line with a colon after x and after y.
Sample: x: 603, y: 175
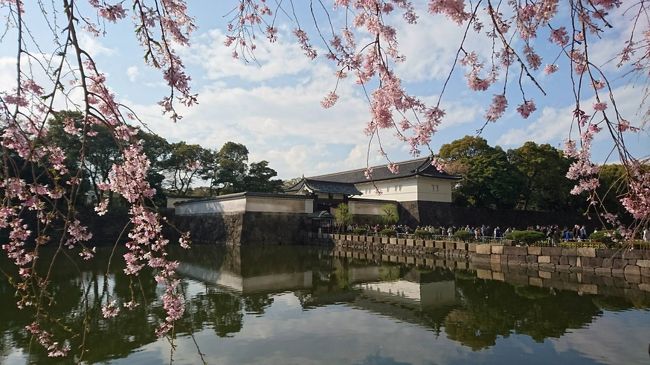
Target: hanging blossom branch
x: 517, y: 30
x: 39, y: 187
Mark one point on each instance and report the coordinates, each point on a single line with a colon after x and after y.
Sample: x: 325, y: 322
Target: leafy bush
x: 423, y: 234
x: 342, y: 215
x: 360, y: 231
x: 606, y: 237
x: 390, y: 214
x: 388, y: 232
x: 463, y: 235
x: 527, y: 237
x: 582, y: 244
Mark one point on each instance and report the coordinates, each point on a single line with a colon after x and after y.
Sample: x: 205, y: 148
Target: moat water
x: 297, y: 305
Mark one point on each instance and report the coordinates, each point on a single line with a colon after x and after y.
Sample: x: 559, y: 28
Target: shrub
x: 342, y: 215
x: 360, y: 231
x: 583, y: 244
x: 390, y: 214
x: 463, y: 235
x: 527, y: 237
x: 388, y: 232
x: 606, y: 237
x: 423, y: 234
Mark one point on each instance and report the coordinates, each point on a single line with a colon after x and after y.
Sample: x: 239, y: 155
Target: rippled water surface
x: 291, y: 305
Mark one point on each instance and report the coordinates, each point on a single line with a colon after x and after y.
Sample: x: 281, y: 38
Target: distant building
x: 416, y: 185
x: 415, y: 180
x: 269, y: 218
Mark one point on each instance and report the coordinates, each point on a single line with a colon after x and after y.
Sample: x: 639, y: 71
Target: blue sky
x: 274, y: 107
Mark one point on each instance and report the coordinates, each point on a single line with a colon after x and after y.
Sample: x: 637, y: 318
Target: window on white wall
x: 435, y: 188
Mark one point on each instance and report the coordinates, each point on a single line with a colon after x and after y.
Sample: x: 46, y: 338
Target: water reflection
x: 297, y: 305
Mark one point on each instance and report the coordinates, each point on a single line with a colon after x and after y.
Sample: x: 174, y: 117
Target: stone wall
x: 638, y: 288
x: 246, y: 228
x: 211, y: 228
x: 630, y: 264
x: 445, y: 214
x: 274, y: 229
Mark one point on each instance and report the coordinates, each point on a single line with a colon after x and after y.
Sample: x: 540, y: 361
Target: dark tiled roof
x: 421, y: 166
x: 241, y: 195
x: 327, y: 187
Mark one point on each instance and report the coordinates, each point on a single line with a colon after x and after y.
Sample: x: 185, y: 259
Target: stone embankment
x: 636, y: 288
x: 631, y: 264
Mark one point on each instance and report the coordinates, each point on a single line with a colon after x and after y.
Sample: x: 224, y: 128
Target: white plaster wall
x: 309, y: 206
x: 401, y: 190
x: 247, y: 204
x: 434, y: 190
x: 276, y: 205
x: 212, y: 207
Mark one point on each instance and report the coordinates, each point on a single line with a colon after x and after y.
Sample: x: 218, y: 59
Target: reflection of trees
x: 491, y: 309
x: 77, y: 296
x: 257, y: 303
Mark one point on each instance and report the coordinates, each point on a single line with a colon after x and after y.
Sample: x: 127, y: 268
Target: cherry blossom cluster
x: 37, y: 179
x: 158, y: 24
x: 54, y: 348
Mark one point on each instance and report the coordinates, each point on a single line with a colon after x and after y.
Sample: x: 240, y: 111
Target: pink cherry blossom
x: 498, y: 107
x: 527, y: 108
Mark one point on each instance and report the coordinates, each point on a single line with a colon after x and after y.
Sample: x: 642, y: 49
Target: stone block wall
x: 636, y: 288
x: 211, y: 228
x: 627, y: 263
x: 246, y: 228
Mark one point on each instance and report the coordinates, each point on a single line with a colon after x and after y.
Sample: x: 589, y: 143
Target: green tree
x: 389, y: 214
x: 342, y: 215
x: 183, y: 166
x: 543, y: 169
x: 260, y: 178
x: 228, y: 168
x: 489, y: 180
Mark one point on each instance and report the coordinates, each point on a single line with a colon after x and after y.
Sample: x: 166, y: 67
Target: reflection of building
x: 256, y: 284
x: 404, y: 292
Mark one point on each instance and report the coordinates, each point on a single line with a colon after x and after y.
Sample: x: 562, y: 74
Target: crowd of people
x: 553, y: 233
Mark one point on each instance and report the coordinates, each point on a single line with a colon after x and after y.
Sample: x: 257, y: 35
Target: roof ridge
x: 373, y: 167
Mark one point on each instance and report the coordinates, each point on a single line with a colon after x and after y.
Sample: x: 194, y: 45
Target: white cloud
x: 430, y: 47
x: 554, y: 124
x: 7, y: 73
x: 281, y: 58
x: 132, y: 73
x: 285, y: 124
x: 94, y: 46
x: 620, y: 338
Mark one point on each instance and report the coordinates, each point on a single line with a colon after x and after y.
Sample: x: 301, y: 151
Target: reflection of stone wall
x: 434, y: 213
x: 636, y: 288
